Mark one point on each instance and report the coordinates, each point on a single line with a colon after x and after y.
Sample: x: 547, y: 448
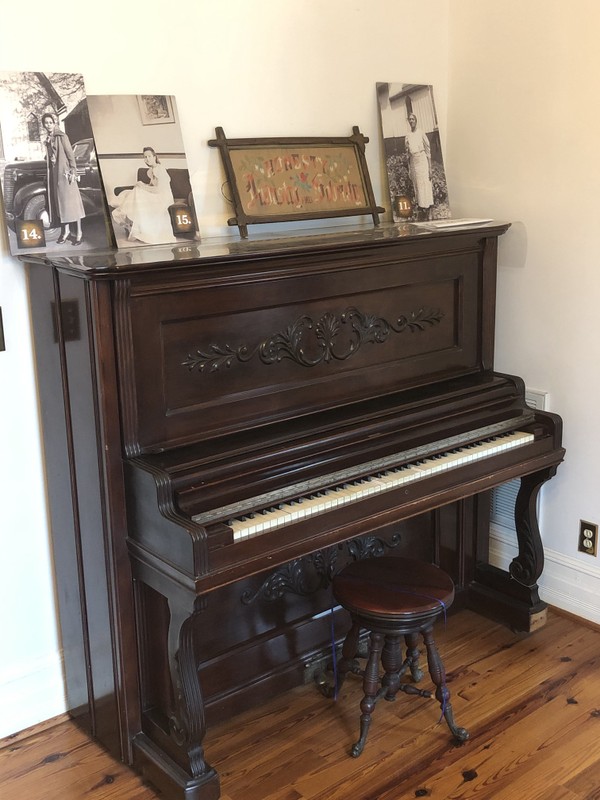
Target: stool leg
x: 412, y: 656
x: 370, y: 688
x: 391, y: 660
x: 442, y: 694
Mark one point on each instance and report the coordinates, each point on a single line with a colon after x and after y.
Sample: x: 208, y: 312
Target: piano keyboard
x: 255, y: 523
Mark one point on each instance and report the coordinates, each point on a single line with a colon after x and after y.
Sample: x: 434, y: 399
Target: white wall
x: 522, y: 145
x: 259, y: 68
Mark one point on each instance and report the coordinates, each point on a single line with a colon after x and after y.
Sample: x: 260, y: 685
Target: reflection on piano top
x: 274, y: 240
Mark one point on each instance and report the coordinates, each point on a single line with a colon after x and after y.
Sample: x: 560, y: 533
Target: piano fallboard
x: 230, y: 468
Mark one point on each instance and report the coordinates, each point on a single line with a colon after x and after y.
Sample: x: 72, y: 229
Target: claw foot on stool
x: 460, y: 734
x: 357, y: 749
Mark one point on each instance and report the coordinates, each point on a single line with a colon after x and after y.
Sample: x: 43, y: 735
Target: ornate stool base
x: 397, y: 600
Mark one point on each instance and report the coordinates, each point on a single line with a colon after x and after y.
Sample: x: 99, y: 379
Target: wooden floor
x: 531, y: 704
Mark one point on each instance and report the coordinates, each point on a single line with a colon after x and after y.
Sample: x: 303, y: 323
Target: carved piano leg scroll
x: 191, y: 778
x: 187, y: 723
x: 527, y: 567
x: 513, y: 596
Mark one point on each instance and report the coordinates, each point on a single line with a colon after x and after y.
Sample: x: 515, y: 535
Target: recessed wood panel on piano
x: 228, y: 424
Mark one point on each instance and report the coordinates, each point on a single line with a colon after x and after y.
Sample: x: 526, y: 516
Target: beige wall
x: 522, y: 145
x: 259, y: 68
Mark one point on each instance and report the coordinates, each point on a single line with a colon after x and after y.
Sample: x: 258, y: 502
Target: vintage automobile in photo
x: 24, y: 189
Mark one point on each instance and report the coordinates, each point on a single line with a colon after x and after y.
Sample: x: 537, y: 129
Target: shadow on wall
x: 512, y: 247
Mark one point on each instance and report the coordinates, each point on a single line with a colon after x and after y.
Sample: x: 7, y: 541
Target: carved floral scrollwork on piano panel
x: 309, y: 343
x: 370, y: 546
x: 304, y: 576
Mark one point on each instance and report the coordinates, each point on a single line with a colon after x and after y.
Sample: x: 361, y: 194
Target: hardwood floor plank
x: 68, y: 766
x: 531, y: 703
x: 520, y: 758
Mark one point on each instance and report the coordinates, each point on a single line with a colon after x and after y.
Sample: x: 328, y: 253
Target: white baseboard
x: 567, y: 583
x: 31, y: 693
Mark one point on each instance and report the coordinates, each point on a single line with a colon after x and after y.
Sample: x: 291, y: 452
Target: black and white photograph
x: 51, y: 189
x: 413, y: 152
x: 144, y: 170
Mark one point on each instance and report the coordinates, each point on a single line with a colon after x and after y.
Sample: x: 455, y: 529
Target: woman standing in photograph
x: 64, y: 200
x: 419, y: 155
x: 144, y: 209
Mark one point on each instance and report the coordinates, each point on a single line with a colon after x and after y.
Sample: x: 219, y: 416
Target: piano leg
x: 527, y: 567
x: 188, y: 726
x: 512, y: 596
x: 198, y: 780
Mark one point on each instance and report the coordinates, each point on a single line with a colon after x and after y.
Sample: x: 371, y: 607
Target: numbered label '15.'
x: 182, y: 219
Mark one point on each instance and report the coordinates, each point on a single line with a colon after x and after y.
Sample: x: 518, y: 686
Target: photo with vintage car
x: 52, y: 195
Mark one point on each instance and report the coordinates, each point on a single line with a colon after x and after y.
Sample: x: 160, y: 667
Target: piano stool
x: 393, y: 598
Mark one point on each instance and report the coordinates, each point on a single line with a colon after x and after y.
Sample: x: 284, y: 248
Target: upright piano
x: 228, y: 423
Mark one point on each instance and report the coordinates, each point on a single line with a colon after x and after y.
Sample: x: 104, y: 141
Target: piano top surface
x: 229, y: 247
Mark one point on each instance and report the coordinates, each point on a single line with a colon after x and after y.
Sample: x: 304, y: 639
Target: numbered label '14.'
x: 30, y: 233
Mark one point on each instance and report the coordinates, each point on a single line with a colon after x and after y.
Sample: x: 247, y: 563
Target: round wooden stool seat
x: 395, y: 590
x: 394, y: 599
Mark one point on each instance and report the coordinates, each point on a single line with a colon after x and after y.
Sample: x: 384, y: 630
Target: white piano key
x: 258, y: 522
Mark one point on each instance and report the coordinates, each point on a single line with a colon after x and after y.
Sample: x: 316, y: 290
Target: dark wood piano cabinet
x: 185, y: 389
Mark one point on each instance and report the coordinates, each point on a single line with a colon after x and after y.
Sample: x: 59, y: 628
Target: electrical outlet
x: 588, y: 538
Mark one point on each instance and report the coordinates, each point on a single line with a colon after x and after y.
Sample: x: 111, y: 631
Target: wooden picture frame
x: 290, y: 179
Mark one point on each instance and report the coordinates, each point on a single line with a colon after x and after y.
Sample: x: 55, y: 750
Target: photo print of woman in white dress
x: 143, y: 210
x: 413, y: 152
x: 144, y: 168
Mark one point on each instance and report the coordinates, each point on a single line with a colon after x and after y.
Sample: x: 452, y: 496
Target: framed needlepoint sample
x: 290, y: 179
